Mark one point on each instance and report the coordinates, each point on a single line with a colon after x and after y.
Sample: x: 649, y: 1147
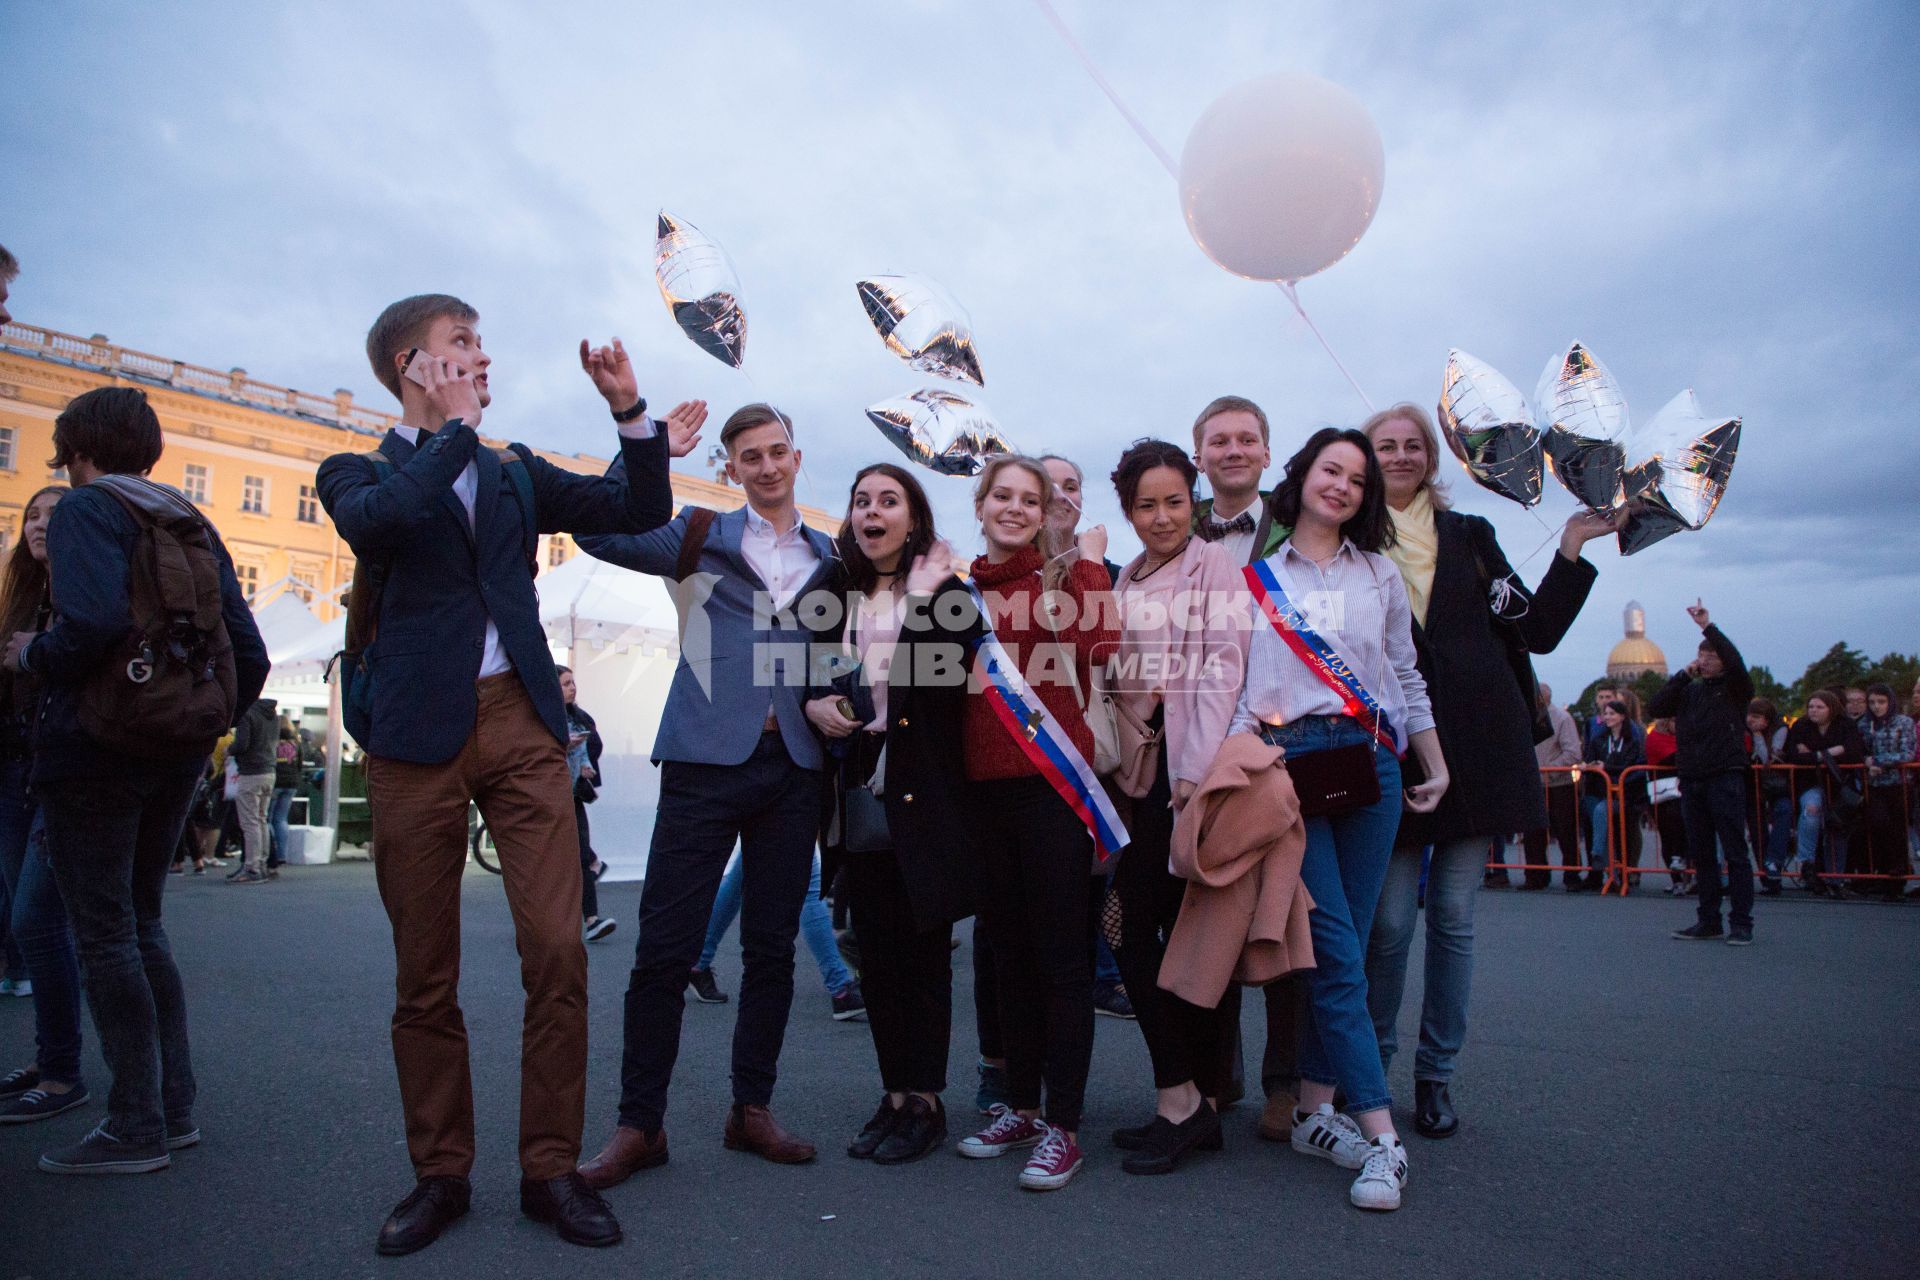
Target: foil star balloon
x: 941, y: 430
x: 922, y: 324
x: 1585, y: 416
x: 1491, y: 429
x: 700, y: 287
x: 1681, y: 461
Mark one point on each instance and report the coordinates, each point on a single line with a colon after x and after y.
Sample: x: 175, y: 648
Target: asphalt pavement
x: 1631, y: 1105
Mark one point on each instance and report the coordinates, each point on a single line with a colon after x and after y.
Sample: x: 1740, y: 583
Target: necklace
x: 1138, y: 576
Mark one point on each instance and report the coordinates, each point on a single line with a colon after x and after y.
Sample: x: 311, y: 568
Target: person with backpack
x: 141, y: 674
x: 253, y: 754
x: 450, y: 688
x: 738, y: 762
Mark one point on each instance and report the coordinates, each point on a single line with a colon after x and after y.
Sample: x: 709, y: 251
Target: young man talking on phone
x: 452, y: 692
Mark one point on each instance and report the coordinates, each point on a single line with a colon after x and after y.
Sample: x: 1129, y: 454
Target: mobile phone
x: 845, y: 707
x: 414, y: 369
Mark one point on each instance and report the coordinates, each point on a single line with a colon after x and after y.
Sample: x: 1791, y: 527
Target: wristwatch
x: 628, y: 415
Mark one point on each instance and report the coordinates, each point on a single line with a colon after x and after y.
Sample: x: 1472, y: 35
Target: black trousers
x: 589, y: 887
x: 1182, y: 1038
x: 770, y: 805
x: 1886, y: 828
x: 906, y: 976
x: 1563, y: 826
x: 1037, y: 857
x: 986, y: 988
x: 1715, y: 810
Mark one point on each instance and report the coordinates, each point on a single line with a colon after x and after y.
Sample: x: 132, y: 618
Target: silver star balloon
x: 1681, y: 462
x: 1491, y: 429
x: 922, y: 324
x: 700, y: 287
x: 941, y: 430
x: 1585, y: 417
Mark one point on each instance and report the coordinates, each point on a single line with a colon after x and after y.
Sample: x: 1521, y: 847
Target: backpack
x: 168, y: 690
x: 370, y: 580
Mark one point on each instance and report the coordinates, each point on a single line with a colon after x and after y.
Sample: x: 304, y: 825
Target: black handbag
x: 863, y: 812
x: 1334, y: 781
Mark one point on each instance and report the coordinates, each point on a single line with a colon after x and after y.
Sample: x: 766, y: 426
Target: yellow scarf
x: 1416, y: 549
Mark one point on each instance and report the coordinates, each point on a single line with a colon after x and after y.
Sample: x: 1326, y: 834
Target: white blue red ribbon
x: 1045, y: 741
x: 1321, y: 657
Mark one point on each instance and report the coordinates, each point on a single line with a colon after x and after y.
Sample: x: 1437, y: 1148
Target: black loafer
x: 883, y: 1123
x: 919, y: 1130
x: 1166, y: 1144
x: 1433, y: 1115
x: 430, y: 1208
x: 576, y: 1210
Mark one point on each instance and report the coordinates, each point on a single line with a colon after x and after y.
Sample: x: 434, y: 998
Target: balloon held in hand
x: 941, y: 430
x: 1681, y: 462
x: 1585, y: 414
x: 1490, y: 428
x: 698, y: 282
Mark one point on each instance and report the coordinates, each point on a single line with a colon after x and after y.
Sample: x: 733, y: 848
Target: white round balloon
x: 1281, y: 176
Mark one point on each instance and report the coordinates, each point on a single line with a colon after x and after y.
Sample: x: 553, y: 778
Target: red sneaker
x: 1009, y: 1129
x: 1053, y: 1163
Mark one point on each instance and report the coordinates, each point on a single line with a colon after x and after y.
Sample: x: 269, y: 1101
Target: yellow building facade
x: 244, y: 450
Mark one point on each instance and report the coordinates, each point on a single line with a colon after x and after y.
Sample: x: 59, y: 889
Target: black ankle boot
x: 1433, y: 1115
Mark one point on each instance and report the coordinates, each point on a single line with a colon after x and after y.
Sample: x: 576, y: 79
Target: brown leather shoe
x: 1276, y: 1118
x: 752, y: 1128
x: 627, y: 1153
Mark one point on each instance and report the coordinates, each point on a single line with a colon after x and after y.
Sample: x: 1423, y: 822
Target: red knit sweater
x: 1014, y: 586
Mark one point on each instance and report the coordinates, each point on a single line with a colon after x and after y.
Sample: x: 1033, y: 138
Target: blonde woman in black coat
x: 1474, y: 625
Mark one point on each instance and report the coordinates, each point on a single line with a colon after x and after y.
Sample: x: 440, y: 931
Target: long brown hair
x: 25, y: 585
x: 861, y: 574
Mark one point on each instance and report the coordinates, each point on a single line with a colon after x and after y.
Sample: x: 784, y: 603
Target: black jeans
x: 589, y: 887
x: 771, y: 806
x: 110, y: 838
x: 1182, y: 1039
x: 906, y: 976
x: 1886, y: 827
x: 986, y: 988
x: 1715, y: 808
x: 1563, y: 825
x: 1038, y: 859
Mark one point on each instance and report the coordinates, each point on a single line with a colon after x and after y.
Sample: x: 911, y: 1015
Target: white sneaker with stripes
x: 1383, y: 1177
x: 1331, y: 1136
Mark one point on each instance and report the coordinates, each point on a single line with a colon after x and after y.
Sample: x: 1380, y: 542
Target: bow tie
x: 1212, y: 530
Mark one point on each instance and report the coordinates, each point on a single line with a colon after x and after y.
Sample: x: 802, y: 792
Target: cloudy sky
x: 1716, y: 196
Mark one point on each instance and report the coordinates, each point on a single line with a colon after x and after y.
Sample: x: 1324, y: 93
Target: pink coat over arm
x: 1239, y: 842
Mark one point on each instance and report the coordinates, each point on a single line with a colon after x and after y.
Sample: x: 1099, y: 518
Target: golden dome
x: 1637, y: 651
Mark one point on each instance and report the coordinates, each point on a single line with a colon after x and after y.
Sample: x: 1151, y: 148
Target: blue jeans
x: 1344, y: 869
x: 37, y: 921
x: 1780, y: 823
x: 1813, y: 821
x: 816, y: 926
x: 277, y: 811
x: 1453, y: 881
x: 110, y: 839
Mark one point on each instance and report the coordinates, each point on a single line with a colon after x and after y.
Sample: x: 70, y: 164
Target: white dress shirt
x: 493, y: 659
x: 784, y: 561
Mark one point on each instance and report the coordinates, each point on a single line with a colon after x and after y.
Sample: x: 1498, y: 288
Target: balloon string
x: 1293, y: 295
x: 1551, y: 535
x: 1173, y: 171
x: 1093, y: 70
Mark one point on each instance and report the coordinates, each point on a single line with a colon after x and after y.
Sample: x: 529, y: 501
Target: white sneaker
x: 1331, y: 1136
x: 1383, y: 1177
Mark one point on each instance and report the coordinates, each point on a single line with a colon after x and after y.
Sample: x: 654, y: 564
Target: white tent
x: 590, y: 602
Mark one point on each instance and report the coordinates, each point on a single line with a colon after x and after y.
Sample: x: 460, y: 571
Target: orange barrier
x: 1575, y: 865
x: 1620, y: 875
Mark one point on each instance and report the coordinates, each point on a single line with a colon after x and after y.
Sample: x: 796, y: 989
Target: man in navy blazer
x: 738, y: 762
x: 460, y: 703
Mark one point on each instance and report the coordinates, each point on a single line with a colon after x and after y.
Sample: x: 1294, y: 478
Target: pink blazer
x: 1209, y: 660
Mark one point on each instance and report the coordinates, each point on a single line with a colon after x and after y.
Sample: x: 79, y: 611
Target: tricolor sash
x: 1320, y: 657
x: 1045, y: 741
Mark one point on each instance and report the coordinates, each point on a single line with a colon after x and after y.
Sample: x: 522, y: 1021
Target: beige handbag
x: 1098, y: 710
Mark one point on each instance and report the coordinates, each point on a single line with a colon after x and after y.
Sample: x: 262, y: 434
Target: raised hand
x: 1093, y: 543
x: 612, y: 374
x: 1698, y: 612
x: 683, y: 427
x: 1586, y: 525
x: 451, y: 390
x: 930, y: 570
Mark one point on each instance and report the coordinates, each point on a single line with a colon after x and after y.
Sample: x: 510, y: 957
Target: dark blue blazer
x: 446, y: 578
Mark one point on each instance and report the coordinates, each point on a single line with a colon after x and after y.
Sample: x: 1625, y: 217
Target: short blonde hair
x: 1230, y: 404
x: 1436, y: 488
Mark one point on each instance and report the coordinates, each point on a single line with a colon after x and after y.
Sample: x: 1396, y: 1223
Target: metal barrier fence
x: 1800, y: 779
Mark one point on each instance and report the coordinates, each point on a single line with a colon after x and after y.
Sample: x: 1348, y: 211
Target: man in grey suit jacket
x: 738, y: 762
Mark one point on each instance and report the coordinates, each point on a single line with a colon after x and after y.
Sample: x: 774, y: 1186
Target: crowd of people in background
x: 1247, y: 757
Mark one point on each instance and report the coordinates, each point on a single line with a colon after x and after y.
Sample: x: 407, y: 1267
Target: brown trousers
x: 517, y: 772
